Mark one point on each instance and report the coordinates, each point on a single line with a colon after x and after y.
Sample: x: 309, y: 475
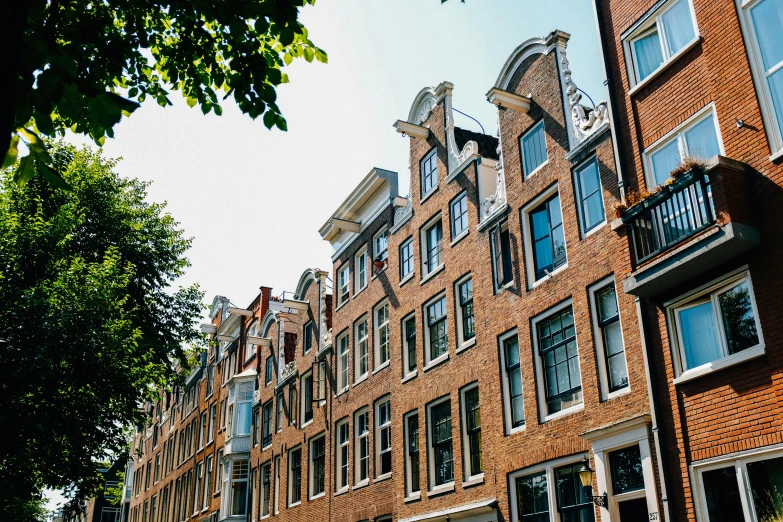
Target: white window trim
x: 531, y: 130
x: 302, y: 422
x: 279, y: 407
x: 386, y: 399
x: 448, y: 486
x: 425, y: 274
x: 678, y: 356
x: 668, y: 58
x: 376, y: 327
x: 367, y: 263
x: 548, y: 467
x: 276, y: 471
x: 356, y: 341
x: 774, y: 131
x: 405, y: 361
x: 340, y: 363
x: 452, y: 217
x: 492, y: 250
x: 600, y: 349
x: 383, y: 230
x: 429, y: 363
x: 410, y: 495
x: 544, y: 416
x: 311, y: 468
x: 506, y: 386
x: 678, y: 133
x: 580, y: 197
x: 289, y: 477
x: 267, y: 464
x: 338, y: 456
x: 425, y: 195
x: 467, y: 477
x: 406, y: 278
x: 357, y: 444
x: 528, y: 239
x: 461, y: 344
x: 347, y: 284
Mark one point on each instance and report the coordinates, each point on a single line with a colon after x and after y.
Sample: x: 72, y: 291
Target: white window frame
x: 577, y: 175
x: 385, y: 400
x: 339, y: 487
x: 468, y: 479
x: 359, y: 439
x: 311, y: 467
x: 343, y: 363
x: 406, y: 373
x: 528, y: 236
x: 302, y: 395
x: 411, y: 495
x: 276, y: 471
x: 197, y: 489
x: 428, y: 363
x: 768, y: 114
x: 463, y: 344
x: 405, y: 244
x: 506, y: 385
x: 361, y: 283
x: 385, y: 252
x: 226, y: 499
x: 713, y: 287
x: 433, y: 489
x: 359, y: 377
x: 343, y: 275
x: 534, y: 128
x: 678, y: 133
x: 264, y: 501
x: 495, y: 245
x: 654, y: 20
x: 603, y: 371
x: 453, y: 218
x: 279, y: 411
x: 202, y: 433
x: 544, y: 415
x: 377, y: 327
x: 290, y: 476
x: 426, y: 272
x: 434, y: 187
x: 207, y: 493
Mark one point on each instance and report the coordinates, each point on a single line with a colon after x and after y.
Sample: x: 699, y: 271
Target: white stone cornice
x: 412, y: 130
x: 508, y: 100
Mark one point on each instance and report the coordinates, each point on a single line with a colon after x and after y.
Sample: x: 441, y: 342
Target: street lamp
x: 586, y: 478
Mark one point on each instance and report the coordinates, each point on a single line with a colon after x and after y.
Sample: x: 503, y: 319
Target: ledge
x: 382, y: 367
x: 441, y: 490
x: 410, y: 376
x: 385, y: 476
x: 720, y: 364
x: 436, y: 362
x: 490, y: 219
x: 467, y: 344
x: 473, y: 481
x: 433, y: 273
x: 459, y: 237
x: 412, y: 130
x: 407, y: 278
x: 413, y: 497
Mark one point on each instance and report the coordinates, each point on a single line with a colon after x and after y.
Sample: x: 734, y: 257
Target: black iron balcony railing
x: 670, y: 216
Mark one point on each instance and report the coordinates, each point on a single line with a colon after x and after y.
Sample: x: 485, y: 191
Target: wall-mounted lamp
x: 586, y: 478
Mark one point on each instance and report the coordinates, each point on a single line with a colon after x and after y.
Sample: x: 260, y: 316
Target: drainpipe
x: 653, y: 410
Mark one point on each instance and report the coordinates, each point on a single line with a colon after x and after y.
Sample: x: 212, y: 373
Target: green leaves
x: 13, y: 152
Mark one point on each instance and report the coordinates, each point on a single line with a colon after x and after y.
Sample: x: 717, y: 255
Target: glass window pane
x: 767, y: 20
x: 721, y: 493
x: 534, y: 149
x: 532, y: 497
x: 776, y: 88
x: 699, y: 335
x: 664, y: 161
x: 702, y: 141
x: 626, y: 467
x: 649, y: 57
x: 766, y: 485
x: 738, y: 320
x: 678, y: 25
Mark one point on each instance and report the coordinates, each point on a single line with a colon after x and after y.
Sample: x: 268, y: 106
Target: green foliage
x: 90, y: 325
x: 85, y: 65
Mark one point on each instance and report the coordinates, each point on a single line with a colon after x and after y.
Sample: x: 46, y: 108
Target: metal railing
x: 676, y: 213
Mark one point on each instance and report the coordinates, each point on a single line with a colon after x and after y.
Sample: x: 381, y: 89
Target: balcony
x: 698, y: 222
x: 237, y: 444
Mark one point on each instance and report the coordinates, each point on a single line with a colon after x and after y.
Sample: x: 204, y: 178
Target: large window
x: 437, y: 329
x: 412, y: 474
x: 466, y: 324
x: 317, y: 466
x: 546, y: 237
x: 587, y: 179
x: 441, y: 451
x: 343, y: 454
x: 429, y: 173
x: 609, y: 337
x: 295, y: 476
x: 514, y: 402
x: 459, y: 215
x: 471, y: 411
x: 383, y: 462
x: 532, y: 495
x: 406, y: 259
x: 409, y: 344
x: 558, y: 360
x: 343, y: 285
x: 234, y: 496
x: 266, y: 424
x: 533, y: 148
x: 502, y: 269
x: 266, y: 479
x: 362, y: 448
x: 572, y: 502
x: 382, y: 335
x: 362, y: 268
x: 697, y: 138
x: 343, y: 347
x: 307, y: 398
x: 361, y: 357
x: 432, y: 246
x: 716, y: 322
x: 659, y: 39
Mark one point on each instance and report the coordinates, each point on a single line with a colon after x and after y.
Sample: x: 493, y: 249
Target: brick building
x: 701, y: 81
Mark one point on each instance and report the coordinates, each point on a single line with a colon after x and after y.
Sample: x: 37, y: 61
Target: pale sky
x: 253, y: 200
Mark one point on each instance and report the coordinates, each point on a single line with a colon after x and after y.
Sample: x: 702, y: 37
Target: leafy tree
x: 81, y: 65
x: 90, y: 326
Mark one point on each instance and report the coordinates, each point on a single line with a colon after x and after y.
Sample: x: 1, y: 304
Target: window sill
x: 406, y: 278
x: 341, y: 305
x: 567, y: 411
x: 595, y: 229
x: 263, y: 517
x: 436, y: 362
x: 360, y: 380
x: 362, y: 484
x: 362, y: 289
x: 381, y: 367
x: 536, y: 170
x: 294, y: 504
x: 304, y: 425
x: 552, y: 274
x: 721, y: 364
x: 518, y: 429
x: 385, y: 476
x: 473, y: 481
x: 410, y: 376
x: 665, y: 65
x: 429, y: 194
x: 413, y: 497
x: 776, y: 156
x: 432, y: 274
x: 266, y: 447
x: 319, y: 495
x: 459, y: 237
x: 342, y: 491
x: 467, y: 344
x: 382, y: 270
x: 343, y: 391
x: 441, y: 490
x: 617, y: 393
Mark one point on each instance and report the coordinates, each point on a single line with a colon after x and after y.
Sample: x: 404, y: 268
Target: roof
x: 488, y: 145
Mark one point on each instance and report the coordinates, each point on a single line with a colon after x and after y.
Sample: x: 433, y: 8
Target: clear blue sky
x: 253, y: 200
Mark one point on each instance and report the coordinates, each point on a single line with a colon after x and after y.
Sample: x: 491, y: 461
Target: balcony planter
x: 665, y: 191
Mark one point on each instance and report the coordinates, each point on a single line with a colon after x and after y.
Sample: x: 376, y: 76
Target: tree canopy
x: 90, y: 325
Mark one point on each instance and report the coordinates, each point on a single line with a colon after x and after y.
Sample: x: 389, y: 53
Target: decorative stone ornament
x: 586, y: 121
x: 497, y: 200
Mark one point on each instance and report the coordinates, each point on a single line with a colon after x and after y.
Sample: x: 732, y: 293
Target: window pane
x: 534, y: 149
x: 722, y: 495
x: 533, y: 498
x: 589, y: 184
x: 766, y: 485
x: 767, y: 20
x: 664, y: 161
x: 647, y: 50
x: 626, y: 470
x: 571, y: 499
x: 738, y: 320
x: 776, y: 88
x: 699, y: 335
x: 678, y: 24
x: 702, y: 141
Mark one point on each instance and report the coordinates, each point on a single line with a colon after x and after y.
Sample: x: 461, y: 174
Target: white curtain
x: 678, y: 25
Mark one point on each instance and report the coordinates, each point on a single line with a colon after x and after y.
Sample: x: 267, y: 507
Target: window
x: 546, y: 238
x: 270, y: 370
x: 307, y: 342
x: 243, y: 410
x: 659, y: 40
x: 764, y: 19
x: 383, y: 462
x: 235, y: 476
x: 432, y: 244
x: 572, y: 502
x: 533, y: 148
x: 696, y: 138
x: 210, y: 382
x: 409, y: 350
x: 266, y: 424
x: 157, y: 468
x: 279, y: 413
x: 219, y: 476
x: 202, y: 434
x: 441, y: 451
x: 502, y: 270
x: 317, y: 466
x: 626, y: 469
x: 342, y: 363
x: 292, y: 403
x: 381, y: 246
x: 514, y: 402
x: 207, y: 482
x: 362, y: 265
x: 412, y: 474
x: 587, y: 179
x: 558, y: 360
x: 153, y: 508
x: 437, y: 329
x: 197, y: 490
x: 362, y: 457
x: 307, y: 398
x: 609, y: 337
x: 429, y: 173
x: 343, y: 285
x: 266, y: 479
x: 716, y: 322
x: 252, y: 331
x: 362, y: 362
x: 295, y: 476
x: 471, y: 410
x: 459, y: 215
x: 406, y: 259
x: 382, y: 335
x: 343, y: 454
x: 466, y: 326
x: 532, y: 497
x: 276, y: 502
